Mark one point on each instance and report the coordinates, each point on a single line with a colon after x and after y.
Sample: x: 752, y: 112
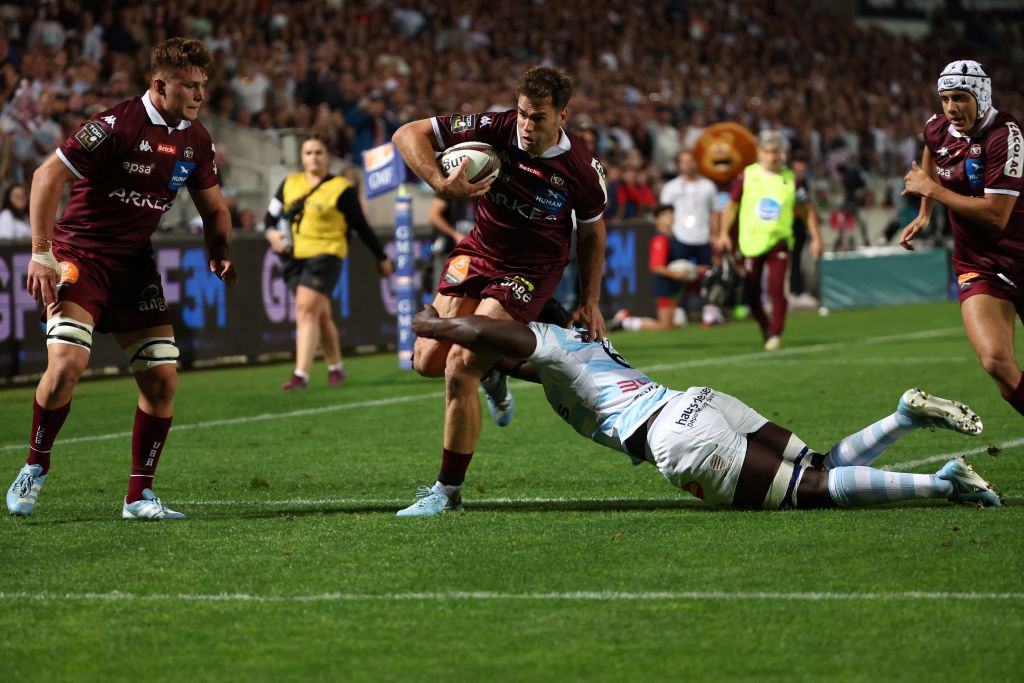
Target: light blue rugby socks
x: 859, y: 486
x: 867, y: 445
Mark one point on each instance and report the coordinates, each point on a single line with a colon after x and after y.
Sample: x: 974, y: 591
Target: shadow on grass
x: 638, y: 505
x: 257, y: 511
x: 270, y: 512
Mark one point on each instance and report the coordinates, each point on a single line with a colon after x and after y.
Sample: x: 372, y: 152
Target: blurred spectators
x: 649, y: 76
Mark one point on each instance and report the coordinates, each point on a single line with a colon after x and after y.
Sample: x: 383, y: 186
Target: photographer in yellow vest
x: 765, y: 195
x: 309, y: 220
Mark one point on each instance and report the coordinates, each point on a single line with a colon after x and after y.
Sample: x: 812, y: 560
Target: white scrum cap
x: 968, y: 76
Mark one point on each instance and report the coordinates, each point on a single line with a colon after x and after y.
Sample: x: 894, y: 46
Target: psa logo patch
x: 461, y: 122
x: 458, y: 269
x: 182, y: 170
x: 90, y: 136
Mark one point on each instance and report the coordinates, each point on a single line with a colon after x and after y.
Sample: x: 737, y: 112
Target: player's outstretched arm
x: 477, y: 332
x: 216, y: 231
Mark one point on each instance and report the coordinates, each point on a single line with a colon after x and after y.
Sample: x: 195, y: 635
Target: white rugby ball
x: 484, y: 163
x: 685, y: 267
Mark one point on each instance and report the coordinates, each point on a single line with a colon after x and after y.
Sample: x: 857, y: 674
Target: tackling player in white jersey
x: 702, y: 440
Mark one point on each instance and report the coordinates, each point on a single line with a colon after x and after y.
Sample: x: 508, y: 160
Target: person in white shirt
x: 14, y: 215
x: 692, y: 196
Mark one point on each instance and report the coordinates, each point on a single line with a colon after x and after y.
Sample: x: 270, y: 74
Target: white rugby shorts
x: 699, y: 440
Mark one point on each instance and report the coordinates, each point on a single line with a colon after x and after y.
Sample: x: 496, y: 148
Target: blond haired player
x: 94, y: 268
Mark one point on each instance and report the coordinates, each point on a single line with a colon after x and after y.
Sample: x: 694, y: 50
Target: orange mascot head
x: 723, y: 150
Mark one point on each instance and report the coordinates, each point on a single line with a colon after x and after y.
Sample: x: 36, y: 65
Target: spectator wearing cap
x: 765, y: 197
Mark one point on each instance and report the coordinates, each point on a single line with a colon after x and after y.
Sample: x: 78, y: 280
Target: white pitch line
x: 254, y: 418
x: 946, y: 360
x: 485, y: 596
x: 762, y: 355
x: 405, y: 501
x: 910, y: 464
x: 800, y: 350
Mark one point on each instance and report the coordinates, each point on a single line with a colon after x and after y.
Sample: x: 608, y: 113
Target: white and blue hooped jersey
x: 592, y: 387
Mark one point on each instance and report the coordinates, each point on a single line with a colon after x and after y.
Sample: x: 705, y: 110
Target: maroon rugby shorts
x: 974, y: 282
x: 521, y: 294
x: 122, y: 294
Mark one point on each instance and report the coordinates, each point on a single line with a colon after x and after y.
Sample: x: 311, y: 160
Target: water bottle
x: 284, y: 224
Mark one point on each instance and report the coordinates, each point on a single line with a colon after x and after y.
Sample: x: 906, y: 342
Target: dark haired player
x: 704, y: 441
x: 95, y: 270
x: 512, y: 260
x: 973, y: 163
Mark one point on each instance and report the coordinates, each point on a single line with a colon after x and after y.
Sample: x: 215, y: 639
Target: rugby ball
x: 483, y: 165
x: 685, y: 267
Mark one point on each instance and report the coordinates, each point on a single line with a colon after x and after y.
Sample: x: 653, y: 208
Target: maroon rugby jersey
x: 129, y: 166
x: 990, y: 163
x: 526, y: 216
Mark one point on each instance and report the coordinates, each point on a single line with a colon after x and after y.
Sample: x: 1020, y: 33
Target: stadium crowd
x: 649, y: 76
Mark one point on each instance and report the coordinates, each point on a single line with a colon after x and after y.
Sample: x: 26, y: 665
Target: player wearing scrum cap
x: 972, y: 163
x: 512, y: 260
x: 764, y: 198
x: 95, y: 269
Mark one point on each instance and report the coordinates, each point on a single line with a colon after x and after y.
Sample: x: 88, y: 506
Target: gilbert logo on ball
x: 483, y: 165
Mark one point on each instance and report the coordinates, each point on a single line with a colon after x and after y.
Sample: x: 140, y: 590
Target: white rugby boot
x: 931, y: 411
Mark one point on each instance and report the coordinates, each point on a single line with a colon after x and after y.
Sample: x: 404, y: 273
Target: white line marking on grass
x: 858, y: 361
x: 405, y: 501
x: 909, y: 464
x: 482, y: 596
x: 760, y: 355
x: 799, y: 350
x: 255, y: 418
x: 485, y: 596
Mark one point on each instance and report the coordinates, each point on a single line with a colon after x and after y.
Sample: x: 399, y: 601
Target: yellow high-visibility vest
x: 323, y: 228
x: 766, y: 209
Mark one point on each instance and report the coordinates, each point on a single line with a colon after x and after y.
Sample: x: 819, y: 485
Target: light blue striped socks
x: 859, y: 486
x: 867, y: 445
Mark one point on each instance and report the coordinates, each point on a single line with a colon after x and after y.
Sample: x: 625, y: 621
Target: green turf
x: 569, y: 563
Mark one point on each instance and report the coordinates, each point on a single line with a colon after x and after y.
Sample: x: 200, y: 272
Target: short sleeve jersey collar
x: 561, y: 147
x: 157, y: 119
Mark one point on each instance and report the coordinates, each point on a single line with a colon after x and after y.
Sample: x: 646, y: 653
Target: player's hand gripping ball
x: 484, y: 163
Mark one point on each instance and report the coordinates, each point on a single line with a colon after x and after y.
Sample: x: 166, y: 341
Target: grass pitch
x: 569, y: 563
